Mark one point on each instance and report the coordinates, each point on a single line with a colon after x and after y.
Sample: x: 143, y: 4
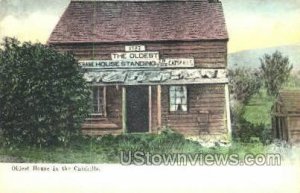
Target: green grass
x: 107, y: 149
x: 258, y: 111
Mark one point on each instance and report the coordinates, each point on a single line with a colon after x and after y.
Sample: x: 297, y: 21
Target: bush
x: 247, y: 132
x: 43, y: 96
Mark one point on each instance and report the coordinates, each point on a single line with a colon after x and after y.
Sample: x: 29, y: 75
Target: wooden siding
x: 206, y: 111
x: 154, y: 110
x: 286, y: 116
x: 114, y: 114
x: 114, y: 105
x: 294, y: 129
x: 97, y: 132
x: 112, y: 124
x: 207, y: 54
x: 206, y: 108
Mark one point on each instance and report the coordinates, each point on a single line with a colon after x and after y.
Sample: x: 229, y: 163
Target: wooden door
x: 137, y: 100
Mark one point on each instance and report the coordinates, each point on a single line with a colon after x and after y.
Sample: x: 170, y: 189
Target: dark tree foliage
x: 43, y: 96
x: 244, y: 83
x: 245, y: 131
x: 276, y: 70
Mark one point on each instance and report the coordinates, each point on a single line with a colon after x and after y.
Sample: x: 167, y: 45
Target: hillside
x: 250, y: 58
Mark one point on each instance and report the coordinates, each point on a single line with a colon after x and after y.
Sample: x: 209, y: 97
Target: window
x: 99, y: 100
x: 178, y: 98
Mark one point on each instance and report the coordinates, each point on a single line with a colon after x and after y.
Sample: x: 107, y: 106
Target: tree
x: 43, y: 96
x: 276, y: 70
x: 244, y: 83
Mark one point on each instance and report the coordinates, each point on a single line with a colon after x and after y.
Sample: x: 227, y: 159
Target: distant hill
x: 250, y: 58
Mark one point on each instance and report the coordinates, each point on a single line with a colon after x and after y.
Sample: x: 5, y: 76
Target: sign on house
x: 118, y: 64
x: 135, y: 48
x: 136, y: 57
x: 177, y: 62
x: 141, y: 56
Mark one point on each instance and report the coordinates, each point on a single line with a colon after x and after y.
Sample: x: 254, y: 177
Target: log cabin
x: 286, y: 116
x: 151, y: 64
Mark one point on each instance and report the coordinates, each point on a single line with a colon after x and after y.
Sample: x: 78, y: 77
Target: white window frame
x: 183, y: 100
x: 99, y: 105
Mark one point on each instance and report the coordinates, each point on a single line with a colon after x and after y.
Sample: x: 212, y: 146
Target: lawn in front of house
x: 107, y: 149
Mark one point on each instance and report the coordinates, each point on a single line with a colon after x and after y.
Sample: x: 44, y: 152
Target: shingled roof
x: 86, y: 21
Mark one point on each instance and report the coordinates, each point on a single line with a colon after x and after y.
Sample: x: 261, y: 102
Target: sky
x: 251, y: 24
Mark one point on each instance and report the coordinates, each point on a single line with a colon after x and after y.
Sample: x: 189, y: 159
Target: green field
x: 107, y: 149
x: 258, y: 110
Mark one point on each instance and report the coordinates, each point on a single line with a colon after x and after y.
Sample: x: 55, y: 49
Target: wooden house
x: 150, y: 64
x: 286, y: 116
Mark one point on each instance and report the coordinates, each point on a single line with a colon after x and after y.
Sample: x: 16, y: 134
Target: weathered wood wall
x: 206, y: 111
x: 114, y: 115
x: 294, y: 128
x: 286, y: 116
x: 154, y: 110
x: 114, y: 105
x: 207, y: 54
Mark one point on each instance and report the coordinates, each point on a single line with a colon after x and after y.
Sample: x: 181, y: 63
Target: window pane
x: 172, y: 88
x: 172, y: 94
x: 184, y: 107
x: 178, y: 101
x: 184, y: 100
x: 172, y: 100
x: 97, y: 98
x: 172, y: 107
x: 178, y: 98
